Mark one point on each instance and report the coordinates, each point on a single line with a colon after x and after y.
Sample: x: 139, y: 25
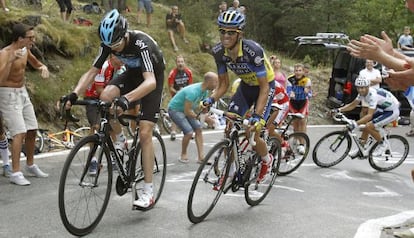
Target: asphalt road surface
x: 348, y: 200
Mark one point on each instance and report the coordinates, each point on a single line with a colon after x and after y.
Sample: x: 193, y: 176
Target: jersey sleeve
x: 100, y: 59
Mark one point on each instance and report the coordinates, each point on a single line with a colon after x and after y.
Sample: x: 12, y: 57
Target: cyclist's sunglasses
x: 228, y: 32
x: 116, y: 44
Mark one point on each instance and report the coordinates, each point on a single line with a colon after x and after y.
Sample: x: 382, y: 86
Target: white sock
x: 148, y: 188
x: 266, y: 158
x: 4, y: 153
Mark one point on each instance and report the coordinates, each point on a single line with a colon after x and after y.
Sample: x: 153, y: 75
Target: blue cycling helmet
x: 233, y: 19
x: 112, y: 27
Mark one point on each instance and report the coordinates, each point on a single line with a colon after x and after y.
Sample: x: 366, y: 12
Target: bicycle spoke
x: 83, y: 198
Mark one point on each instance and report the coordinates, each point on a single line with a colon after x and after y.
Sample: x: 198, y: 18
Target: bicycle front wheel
x: 82, y: 198
x: 393, y: 156
x: 332, y: 149
x: 293, y: 156
x: 208, y: 183
x: 255, y: 190
x: 159, y: 169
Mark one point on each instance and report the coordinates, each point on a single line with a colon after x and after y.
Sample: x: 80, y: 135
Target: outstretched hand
x: 371, y: 47
x: 401, y: 80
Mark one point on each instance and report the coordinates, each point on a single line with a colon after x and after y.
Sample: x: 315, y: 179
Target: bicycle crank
x: 121, y: 186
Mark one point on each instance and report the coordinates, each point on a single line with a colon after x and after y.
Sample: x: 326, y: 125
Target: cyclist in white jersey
x: 383, y: 108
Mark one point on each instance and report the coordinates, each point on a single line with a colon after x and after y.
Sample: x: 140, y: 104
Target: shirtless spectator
x: 18, y: 114
x: 178, y: 78
x: 175, y: 23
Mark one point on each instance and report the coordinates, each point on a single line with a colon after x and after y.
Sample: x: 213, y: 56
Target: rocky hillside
x: 68, y: 50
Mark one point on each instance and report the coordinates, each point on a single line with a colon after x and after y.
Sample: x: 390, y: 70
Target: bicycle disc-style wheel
x: 208, y: 183
x: 292, y: 158
x: 159, y: 171
x: 255, y: 191
x: 332, y: 149
x: 393, y: 156
x: 80, y: 133
x: 83, y: 198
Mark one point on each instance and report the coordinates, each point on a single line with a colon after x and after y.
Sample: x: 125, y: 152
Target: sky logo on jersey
x: 141, y: 44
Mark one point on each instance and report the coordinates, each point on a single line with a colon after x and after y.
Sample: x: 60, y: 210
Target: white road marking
x: 385, y: 192
x: 343, y: 175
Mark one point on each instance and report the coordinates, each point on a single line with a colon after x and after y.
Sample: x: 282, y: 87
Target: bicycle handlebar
x: 340, y: 117
x: 236, y: 118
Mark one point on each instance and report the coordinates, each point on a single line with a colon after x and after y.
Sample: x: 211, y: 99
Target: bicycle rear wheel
x: 292, y: 158
x: 159, y: 171
x: 255, y: 191
x: 208, y: 183
x: 82, y: 198
x: 332, y: 149
x: 166, y: 121
x: 393, y: 157
x: 80, y: 133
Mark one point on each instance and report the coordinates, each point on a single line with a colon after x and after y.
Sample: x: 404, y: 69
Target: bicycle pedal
x: 142, y: 209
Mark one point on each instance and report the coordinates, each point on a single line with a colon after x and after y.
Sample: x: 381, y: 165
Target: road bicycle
x: 335, y: 146
x: 83, y: 198
x: 292, y: 157
x: 66, y: 138
x: 39, y: 143
x: 210, y: 181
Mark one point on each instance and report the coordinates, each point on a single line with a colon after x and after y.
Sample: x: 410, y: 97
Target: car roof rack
x: 327, y: 39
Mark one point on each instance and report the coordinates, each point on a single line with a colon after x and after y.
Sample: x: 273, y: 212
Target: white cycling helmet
x: 361, y: 82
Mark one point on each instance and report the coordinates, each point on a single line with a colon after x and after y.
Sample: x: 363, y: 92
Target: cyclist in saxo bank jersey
x: 143, y: 79
x: 248, y: 61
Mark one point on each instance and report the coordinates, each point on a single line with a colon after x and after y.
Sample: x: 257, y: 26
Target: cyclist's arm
x: 262, y: 99
x: 367, y: 118
x: 223, y: 85
x: 349, y: 106
x: 148, y: 85
x: 86, y: 79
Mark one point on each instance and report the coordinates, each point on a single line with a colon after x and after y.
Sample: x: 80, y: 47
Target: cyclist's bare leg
x: 15, y: 151
x: 270, y: 125
x: 299, y: 125
x: 145, y: 137
x: 109, y: 93
x: 30, y: 146
x: 370, y: 128
x: 260, y: 147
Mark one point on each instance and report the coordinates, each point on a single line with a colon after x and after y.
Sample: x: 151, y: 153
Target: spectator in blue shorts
x: 147, y: 5
x: 182, y: 111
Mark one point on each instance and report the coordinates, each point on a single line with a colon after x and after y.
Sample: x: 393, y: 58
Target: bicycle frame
x: 355, y: 138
